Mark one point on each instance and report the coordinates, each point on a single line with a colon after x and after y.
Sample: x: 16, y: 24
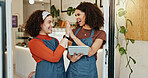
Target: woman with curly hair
x: 89, y: 20
x: 47, y: 51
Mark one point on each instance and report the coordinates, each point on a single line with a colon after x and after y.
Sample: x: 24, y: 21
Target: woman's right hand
x: 31, y: 74
x: 69, y: 30
x: 76, y: 57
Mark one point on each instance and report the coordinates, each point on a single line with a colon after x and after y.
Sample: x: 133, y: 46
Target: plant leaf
x: 122, y: 50
x: 121, y: 12
x: 70, y: 11
x: 123, y: 30
x: 130, y: 22
x: 73, y: 10
x: 132, y: 41
x: 118, y: 45
x: 121, y: 9
x: 57, y: 13
x: 134, y: 61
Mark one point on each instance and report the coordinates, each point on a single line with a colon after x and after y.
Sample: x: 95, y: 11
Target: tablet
x: 78, y: 49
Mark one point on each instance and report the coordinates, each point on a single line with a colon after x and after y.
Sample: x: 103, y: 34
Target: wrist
x: 64, y: 36
x: 73, y: 37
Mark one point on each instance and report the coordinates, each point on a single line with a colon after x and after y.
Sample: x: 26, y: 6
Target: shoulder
x: 100, y: 32
x: 56, y: 39
x: 35, y: 42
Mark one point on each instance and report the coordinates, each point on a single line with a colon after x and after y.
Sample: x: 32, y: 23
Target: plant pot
x: 60, y: 23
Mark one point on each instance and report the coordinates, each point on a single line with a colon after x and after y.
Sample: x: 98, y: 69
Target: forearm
x: 64, y: 42
x: 78, y: 41
x: 93, y: 49
x: 91, y: 52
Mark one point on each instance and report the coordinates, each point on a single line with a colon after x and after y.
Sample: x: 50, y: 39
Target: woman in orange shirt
x: 47, y: 51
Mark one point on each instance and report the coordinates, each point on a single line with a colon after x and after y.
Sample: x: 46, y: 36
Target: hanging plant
x: 55, y: 14
x: 123, y: 30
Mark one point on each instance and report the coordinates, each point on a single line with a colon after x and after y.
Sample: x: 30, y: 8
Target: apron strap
x: 92, y: 33
x: 77, y: 31
x: 42, y: 39
x: 37, y: 38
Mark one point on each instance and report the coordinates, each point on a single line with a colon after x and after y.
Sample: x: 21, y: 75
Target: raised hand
x: 69, y: 30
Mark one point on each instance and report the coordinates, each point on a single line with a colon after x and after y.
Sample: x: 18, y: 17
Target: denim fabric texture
x: 46, y: 69
x: 86, y: 66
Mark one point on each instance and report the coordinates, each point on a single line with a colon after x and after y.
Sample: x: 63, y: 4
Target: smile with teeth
x: 78, y: 21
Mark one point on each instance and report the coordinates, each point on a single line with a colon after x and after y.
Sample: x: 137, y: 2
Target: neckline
x: 86, y: 29
x: 43, y: 36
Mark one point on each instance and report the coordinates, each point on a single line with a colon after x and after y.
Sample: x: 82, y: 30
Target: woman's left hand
x: 76, y: 57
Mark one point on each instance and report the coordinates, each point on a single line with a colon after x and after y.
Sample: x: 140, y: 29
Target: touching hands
x: 76, y: 57
x: 69, y: 30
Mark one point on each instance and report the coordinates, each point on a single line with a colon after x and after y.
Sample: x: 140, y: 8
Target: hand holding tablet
x: 78, y: 49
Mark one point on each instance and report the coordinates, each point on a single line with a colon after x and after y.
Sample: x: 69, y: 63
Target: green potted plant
x: 56, y: 14
x: 70, y: 11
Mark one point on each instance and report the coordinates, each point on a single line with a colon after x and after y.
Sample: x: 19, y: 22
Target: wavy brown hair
x: 33, y: 24
x: 94, y: 16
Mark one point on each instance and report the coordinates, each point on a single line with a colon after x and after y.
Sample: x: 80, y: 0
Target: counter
x: 24, y: 63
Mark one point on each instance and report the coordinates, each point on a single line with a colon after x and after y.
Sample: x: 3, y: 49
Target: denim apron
x: 86, y: 66
x: 46, y: 69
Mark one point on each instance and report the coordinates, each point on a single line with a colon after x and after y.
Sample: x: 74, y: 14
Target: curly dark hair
x: 94, y: 16
x: 32, y: 26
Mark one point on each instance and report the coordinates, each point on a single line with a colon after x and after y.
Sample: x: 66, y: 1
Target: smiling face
x: 80, y: 17
x: 46, y: 27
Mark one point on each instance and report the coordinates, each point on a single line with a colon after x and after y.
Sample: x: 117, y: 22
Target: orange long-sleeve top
x: 41, y: 52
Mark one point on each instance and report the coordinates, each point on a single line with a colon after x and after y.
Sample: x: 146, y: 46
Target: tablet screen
x: 78, y: 49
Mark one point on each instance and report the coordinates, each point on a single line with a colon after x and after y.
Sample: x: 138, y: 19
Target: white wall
x: 139, y: 51
x: 64, y: 15
x: 17, y: 9
x: 28, y: 9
